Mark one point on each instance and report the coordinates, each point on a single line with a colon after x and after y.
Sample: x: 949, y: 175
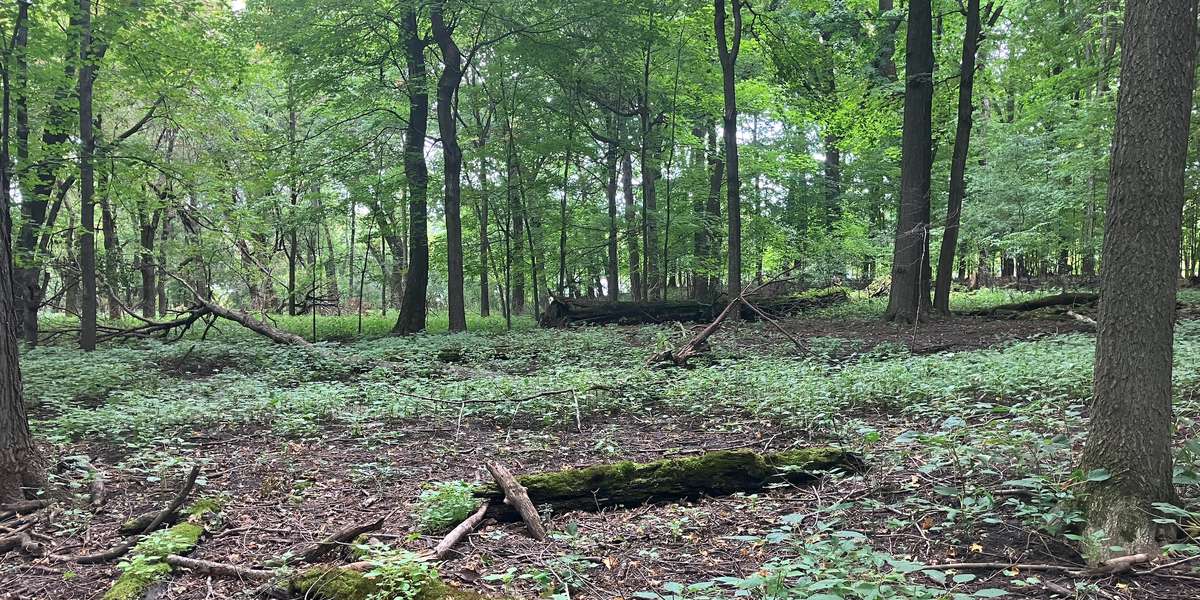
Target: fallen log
x: 563, y: 312
x: 1064, y: 299
x: 630, y: 484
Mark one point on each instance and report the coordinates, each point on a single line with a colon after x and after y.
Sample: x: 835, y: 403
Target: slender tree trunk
x: 833, y: 181
x: 87, y: 207
x: 516, y: 229
x: 727, y: 51
x: 958, y: 163
x: 416, y: 280
x: 112, y: 247
x: 909, y: 299
x: 1129, y: 436
x: 613, y: 271
x: 485, y: 292
x: 631, y: 228
x: 447, y: 116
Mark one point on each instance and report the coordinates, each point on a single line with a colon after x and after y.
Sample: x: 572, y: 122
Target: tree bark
x: 1129, y: 436
x: 727, y: 52
x: 416, y: 280
x: 909, y: 299
x: 613, y: 271
x: 958, y: 163
x: 447, y: 116
x: 631, y: 228
x: 87, y: 184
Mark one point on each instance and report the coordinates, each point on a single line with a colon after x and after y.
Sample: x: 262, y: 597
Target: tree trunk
x: 613, y: 271
x: 87, y: 184
x: 516, y: 228
x: 958, y: 163
x: 909, y: 299
x: 485, y: 292
x: 112, y: 249
x: 1129, y: 436
x: 833, y: 181
x: 727, y: 51
x: 447, y: 116
x: 631, y: 228
x: 416, y: 280
x: 16, y: 445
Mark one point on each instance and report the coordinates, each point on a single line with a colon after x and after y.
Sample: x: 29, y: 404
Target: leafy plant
x: 445, y: 505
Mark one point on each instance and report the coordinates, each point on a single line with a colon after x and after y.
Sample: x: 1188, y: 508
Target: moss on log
x: 146, y: 568
x: 713, y: 474
x: 340, y: 583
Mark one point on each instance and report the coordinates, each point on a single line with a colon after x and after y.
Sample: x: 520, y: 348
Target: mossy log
x: 713, y: 474
x: 147, y: 566
x: 563, y: 312
x: 1064, y: 299
x: 349, y: 583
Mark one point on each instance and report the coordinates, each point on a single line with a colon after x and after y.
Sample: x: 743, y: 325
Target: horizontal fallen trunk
x: 565, y: 312
x: 1064, y: 299
x: 629, y: 484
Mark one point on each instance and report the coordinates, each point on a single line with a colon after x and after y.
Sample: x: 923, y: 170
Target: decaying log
x: 315, y: 550
x: 24, y: 507
x: 458, y: 533
x: 564, y: 312
x: 630, y: 484
x: 516, y: 497
x: 1064, y: 299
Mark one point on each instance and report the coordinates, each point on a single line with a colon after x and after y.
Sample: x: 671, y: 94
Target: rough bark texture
x: 1131, y: 420
x: 87, y: 184
x: 631, y: 228
x: 447, y: 88
x: 909, y: 299
x: 631, y: 484
x: 416, y: 280
x: 958, y: 163
x: 613, y: 267
x: 727, y: 52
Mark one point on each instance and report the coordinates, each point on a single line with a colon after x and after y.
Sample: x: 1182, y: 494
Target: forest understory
x: 968, y: 427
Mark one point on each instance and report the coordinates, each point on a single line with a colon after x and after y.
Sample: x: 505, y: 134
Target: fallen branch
x: 316, y: 550
x: 1112, y: 566
x: 121, y: 549
x: 442, y: 550
x: 242, y: 318
x: 516, y: 496
x: 24, y: 507
x: 216, y: 569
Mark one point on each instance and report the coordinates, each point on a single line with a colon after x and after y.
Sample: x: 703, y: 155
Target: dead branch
x: 458, y: 533
x: 516, y: 496
x: 216, y: 569
x: 1112, y: 566
x: 121, y: 549
x: 316, y: 550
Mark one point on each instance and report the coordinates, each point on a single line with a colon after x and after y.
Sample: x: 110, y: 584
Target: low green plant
x: 444, y: 506
x: 399, y: 574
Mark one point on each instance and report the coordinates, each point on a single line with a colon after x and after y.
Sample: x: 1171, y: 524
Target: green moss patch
x: 145, y: 567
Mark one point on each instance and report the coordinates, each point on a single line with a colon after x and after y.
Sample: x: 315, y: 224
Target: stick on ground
x: 517, y: 497
x: 458, y: 533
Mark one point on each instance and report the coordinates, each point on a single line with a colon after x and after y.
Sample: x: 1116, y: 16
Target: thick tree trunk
x: 1129, y: 436
x: 16, y: 445
x: 909, y: 299
x: 447, y: 116
x: 416, y: 280
x: 87, y: 184
x: 727, y: 51
x: 958, y: 163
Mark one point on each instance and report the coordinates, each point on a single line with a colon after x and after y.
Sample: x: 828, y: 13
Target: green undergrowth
x: 145, y: 566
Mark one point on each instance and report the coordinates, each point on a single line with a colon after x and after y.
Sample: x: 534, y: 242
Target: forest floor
x: 969, y: 427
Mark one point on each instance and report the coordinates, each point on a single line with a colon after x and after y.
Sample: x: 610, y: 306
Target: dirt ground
x: 283, y: 494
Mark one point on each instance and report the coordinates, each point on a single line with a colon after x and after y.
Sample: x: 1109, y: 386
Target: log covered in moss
x: 342, y: 583
x: 713, y: 474
x: 564, y: 312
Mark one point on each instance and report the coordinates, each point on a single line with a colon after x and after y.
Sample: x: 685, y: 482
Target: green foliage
x: 445, y: 505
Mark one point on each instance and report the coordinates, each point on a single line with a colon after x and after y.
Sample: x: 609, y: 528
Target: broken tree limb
x: 242, y: 318
x: 631, y: 484
x: 216, y: 569
x: 442, y: 550
x: 1112, y: 566
x: 516, y: 497
x: 121, y: 549
x: 696, y: 345
x: 314, y: 551
x: 24, y: 507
